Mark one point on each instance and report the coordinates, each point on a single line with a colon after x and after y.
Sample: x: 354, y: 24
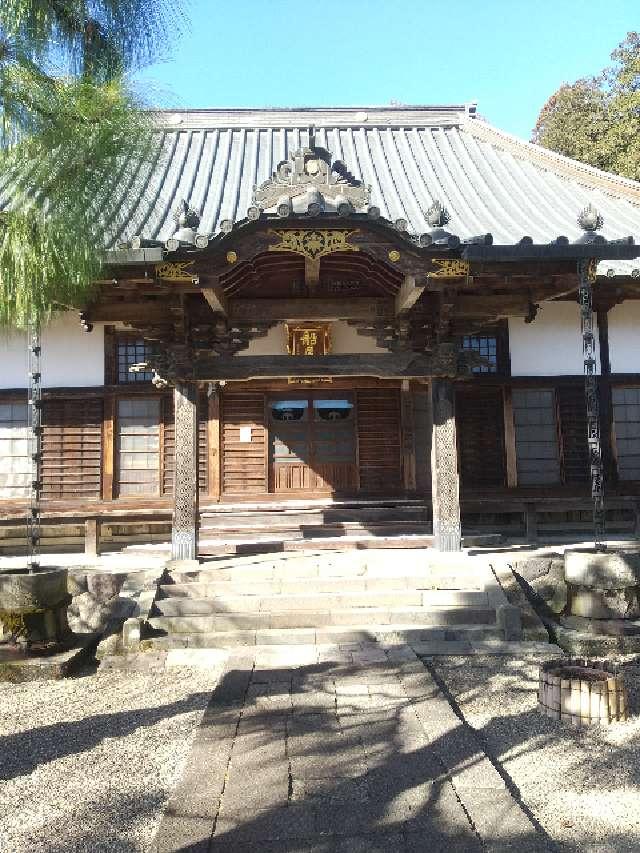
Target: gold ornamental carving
x: 309, y: 380
x: 181, y: 271
x: 448, y: 268
x: 313, y: 243
x: 309, y: 339
x: 394, y: 256
x: 592, y: 270
x: 232, y: 257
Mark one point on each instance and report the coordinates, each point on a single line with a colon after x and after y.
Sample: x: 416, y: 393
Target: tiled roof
x: 489, y: 181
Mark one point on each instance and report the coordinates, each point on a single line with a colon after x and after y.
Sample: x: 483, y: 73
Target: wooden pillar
x: 445, y: 488
x: 408, y: 439
x: 184, y: 532
x: 108, y: 446
x: 213, y: 428
x: 510, y: 437
x: 604, y: 398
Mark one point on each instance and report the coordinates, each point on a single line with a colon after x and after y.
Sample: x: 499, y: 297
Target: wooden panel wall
x: 422, y: 438
x: 379, y: 440
x: 168, y: 445
x: 572, y: 413
x: 480, y: 420
x: 244, y: 463
x: 72, y: 449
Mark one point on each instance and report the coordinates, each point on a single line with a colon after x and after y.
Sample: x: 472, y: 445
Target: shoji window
x: 138, y: 448
x: 626, y: 420
x: 487, y: 347
x: 15, y: 462
x: 131, y: 351
x: 534, y: 416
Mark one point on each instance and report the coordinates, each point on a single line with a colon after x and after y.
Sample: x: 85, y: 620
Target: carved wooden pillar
x: 184, y: 533
x: 445, y: 481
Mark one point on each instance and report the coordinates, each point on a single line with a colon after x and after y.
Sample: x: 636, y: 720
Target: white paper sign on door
x: 245, y: 434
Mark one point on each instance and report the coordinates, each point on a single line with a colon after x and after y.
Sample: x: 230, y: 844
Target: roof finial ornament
x: 590, y: 219
x: 185, y: 216
x: 187, y: 222
x: 437, y: 215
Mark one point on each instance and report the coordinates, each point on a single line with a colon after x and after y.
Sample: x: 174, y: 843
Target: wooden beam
x: 216, y: 299
x: 408, y: 295
x: 151, y: 311
x: 271, y: 310
x: 403, y: 365
x: 492, y: 306
x: 312, y: 274
x: 92, y: 537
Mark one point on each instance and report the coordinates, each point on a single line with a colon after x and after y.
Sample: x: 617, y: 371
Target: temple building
x: 361, y: 308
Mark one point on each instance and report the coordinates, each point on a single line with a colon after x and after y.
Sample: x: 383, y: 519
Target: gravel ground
x: 582, y: 785
x: 86, y: 763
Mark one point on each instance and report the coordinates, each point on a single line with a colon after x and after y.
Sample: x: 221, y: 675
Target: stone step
x: 348, y: 541
x: 276, y: 528
x: 313, y: 586
x: 332, y: 568
x: 330, y: 635
x: 443, y: 617
x: 314, y: 516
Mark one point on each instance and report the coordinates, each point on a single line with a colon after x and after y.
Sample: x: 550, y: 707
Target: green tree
x: 597, y: 119
x: 75, y: 143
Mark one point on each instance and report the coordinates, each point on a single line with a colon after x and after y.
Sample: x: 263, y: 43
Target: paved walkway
x: 346, y: 750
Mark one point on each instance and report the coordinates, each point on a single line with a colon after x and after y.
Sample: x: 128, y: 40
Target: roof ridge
x: 356, y: 117
x: 585, y: 174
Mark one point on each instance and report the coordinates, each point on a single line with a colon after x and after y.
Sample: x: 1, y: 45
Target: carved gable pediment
x: 311, y: 168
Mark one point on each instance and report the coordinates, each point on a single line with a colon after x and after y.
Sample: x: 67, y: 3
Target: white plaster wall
x: 273, y: 343
x: 624, y: 337
x: 70, y: 357
x: 551, y: 345
x: 344, y: 340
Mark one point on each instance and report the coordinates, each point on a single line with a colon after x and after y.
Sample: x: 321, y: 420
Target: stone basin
x: 33, y: 606
x: 21, y: 592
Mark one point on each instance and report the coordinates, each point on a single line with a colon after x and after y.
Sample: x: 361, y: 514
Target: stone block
x: 104, y: 586
x: 77, y: 582
x: 509, y: 621
x: 608, y: 570
x: 131, y: 633
x: 604, y: 603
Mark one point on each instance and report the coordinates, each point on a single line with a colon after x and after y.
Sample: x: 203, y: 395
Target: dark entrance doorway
x: 312, y: 443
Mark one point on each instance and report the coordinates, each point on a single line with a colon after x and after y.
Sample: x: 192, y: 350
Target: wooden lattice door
x: 312, y: 443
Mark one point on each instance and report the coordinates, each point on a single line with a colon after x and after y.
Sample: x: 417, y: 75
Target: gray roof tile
x: 410, y: 156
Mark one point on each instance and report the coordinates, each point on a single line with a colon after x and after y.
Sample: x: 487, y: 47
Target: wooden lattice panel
x: 379, y: 440
x: 582, y: 692
x: 244, y: 457
x: 71, y: 448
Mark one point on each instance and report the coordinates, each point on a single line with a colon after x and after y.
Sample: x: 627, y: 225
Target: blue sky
x: 508, y: 55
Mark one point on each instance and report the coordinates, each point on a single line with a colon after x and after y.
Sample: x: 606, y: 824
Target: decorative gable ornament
x: 309, y: 171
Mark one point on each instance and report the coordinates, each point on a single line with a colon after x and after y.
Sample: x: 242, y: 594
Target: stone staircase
x: 329, y: 597
x: 298, y: 525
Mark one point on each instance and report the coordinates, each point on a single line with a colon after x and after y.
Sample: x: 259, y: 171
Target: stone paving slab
x: 339, y: 751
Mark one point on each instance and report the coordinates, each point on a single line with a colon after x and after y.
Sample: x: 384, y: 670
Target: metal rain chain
x: 34, y: 423
x: 586, y: 275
